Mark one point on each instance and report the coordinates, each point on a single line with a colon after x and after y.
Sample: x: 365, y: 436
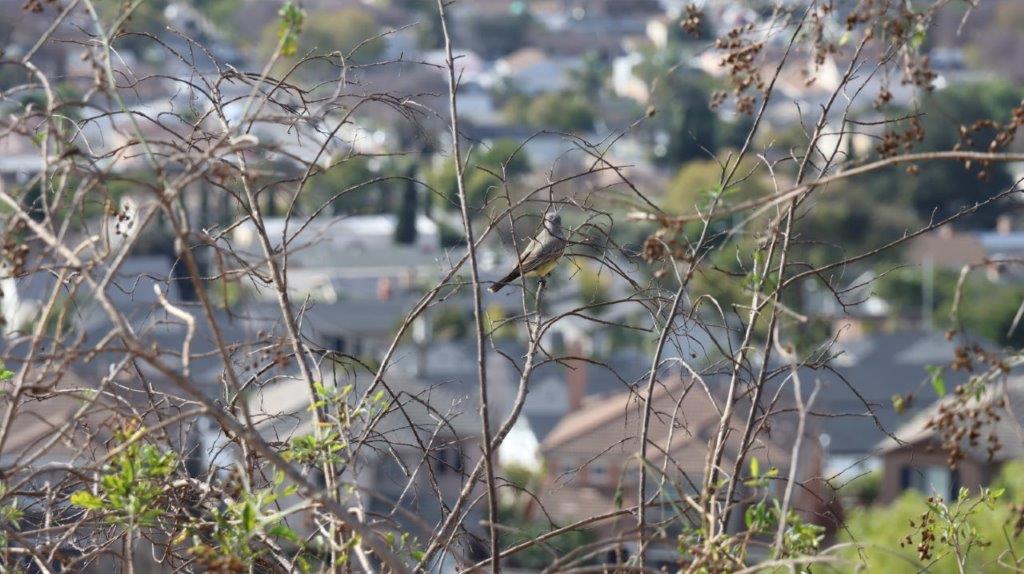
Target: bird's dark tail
x: 505, y: 281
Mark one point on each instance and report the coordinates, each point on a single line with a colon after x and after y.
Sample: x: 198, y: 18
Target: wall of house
x: 910, y: 464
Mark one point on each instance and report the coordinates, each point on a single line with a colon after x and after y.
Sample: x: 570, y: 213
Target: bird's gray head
x: 553, y: 222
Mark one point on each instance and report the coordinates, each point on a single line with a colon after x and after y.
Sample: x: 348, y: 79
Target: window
x: 339, y: 344
x: 448, y: 460
x: 597, y: 472
x: 931, y: 479
x: 567, y: 467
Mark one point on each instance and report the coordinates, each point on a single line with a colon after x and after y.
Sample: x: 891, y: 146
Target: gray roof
x: 1008, y: 429
x: 855, y: 402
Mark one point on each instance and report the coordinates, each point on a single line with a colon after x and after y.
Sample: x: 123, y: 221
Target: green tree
x: 346, y: 186
x: 699, y: 180
x: 682, y: 102
x: 147, y: 18
x: 589, y: 80
x: 479, y: 179
x: 563, y: 111
x: 345, y: 30
x: 974, y: 531
x: 987, y: 309
x: 408, y: 209
x: 495, y: 35
x: 940, y: 189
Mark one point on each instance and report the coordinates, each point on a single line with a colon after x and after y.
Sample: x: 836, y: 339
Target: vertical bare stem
x: 492, y: 494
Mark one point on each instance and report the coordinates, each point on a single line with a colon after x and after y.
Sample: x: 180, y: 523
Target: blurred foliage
x: 594, y: 289
x: 684, y: 126
x: 493, y: 35
x: 450, y: 324
x: 147, y: 18
x: 862, y: 490
x: 942, y: 188
x: 883, y: 530
x: 697, y: 183
x: 986, y: 309
x: 325, y: 31
x: 478, y: 178
x: 539, y: 555
x: 221, y: 13
x: 352, y: 174
x: 408, y: 208
x: 591, y: 78
x: 561, y: 111
x: 849, y: 222
x: 497, y: 324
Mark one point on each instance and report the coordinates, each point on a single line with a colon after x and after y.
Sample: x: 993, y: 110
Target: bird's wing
x: 543, y: 253
x: 529, y: 250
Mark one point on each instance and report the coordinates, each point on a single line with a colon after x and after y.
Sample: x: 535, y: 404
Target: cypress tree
x: 405, y: 227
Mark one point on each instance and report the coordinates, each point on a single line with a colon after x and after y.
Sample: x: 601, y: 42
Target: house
x: 342, y: 241
x: 532, y: 71
x: 998, y: 251
x: 874, y: 382
x: 938, y: 451
x: 591, y: 454
x: 427, y: 437
x: 55, y: 421
x: 625, y: 81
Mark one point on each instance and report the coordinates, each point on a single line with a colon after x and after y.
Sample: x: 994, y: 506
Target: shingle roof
x: 1008, y: 429
x: 683, y: 421
x: 871, y: 370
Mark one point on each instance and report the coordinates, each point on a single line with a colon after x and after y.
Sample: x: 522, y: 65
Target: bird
x: 541, y: 254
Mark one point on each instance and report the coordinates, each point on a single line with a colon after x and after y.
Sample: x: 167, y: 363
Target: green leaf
x: 918, y: 38
x: 86, y: 500
x: 289, y: 28
x: 899, y: 404
x: 938, y: 382
x: 248, y: 517
x: 755, y: 467
x: 283, y: 532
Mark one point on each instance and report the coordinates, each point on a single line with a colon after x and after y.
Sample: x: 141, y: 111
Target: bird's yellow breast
x: 543, y: 270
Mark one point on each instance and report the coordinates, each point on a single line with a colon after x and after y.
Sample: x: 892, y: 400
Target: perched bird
x: 541, y: 254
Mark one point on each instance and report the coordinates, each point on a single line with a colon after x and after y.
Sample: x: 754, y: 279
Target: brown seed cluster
x: 962, y: 422
x: 692, y: 18
x: 654, y: 249
x: 1004, y: 135
x: 925, y: 531
x: 917, y: 71
x: 740, y: 62
x: 1017, y: 518
x: 36, y: 6
x: 895, y: 141
x: 15, y: 251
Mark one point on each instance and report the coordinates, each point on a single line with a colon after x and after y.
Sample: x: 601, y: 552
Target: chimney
x: 576, y: 378
x: 1004, y: 225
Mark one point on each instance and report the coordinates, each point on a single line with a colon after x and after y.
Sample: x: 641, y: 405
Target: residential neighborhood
x: 764, y: 320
